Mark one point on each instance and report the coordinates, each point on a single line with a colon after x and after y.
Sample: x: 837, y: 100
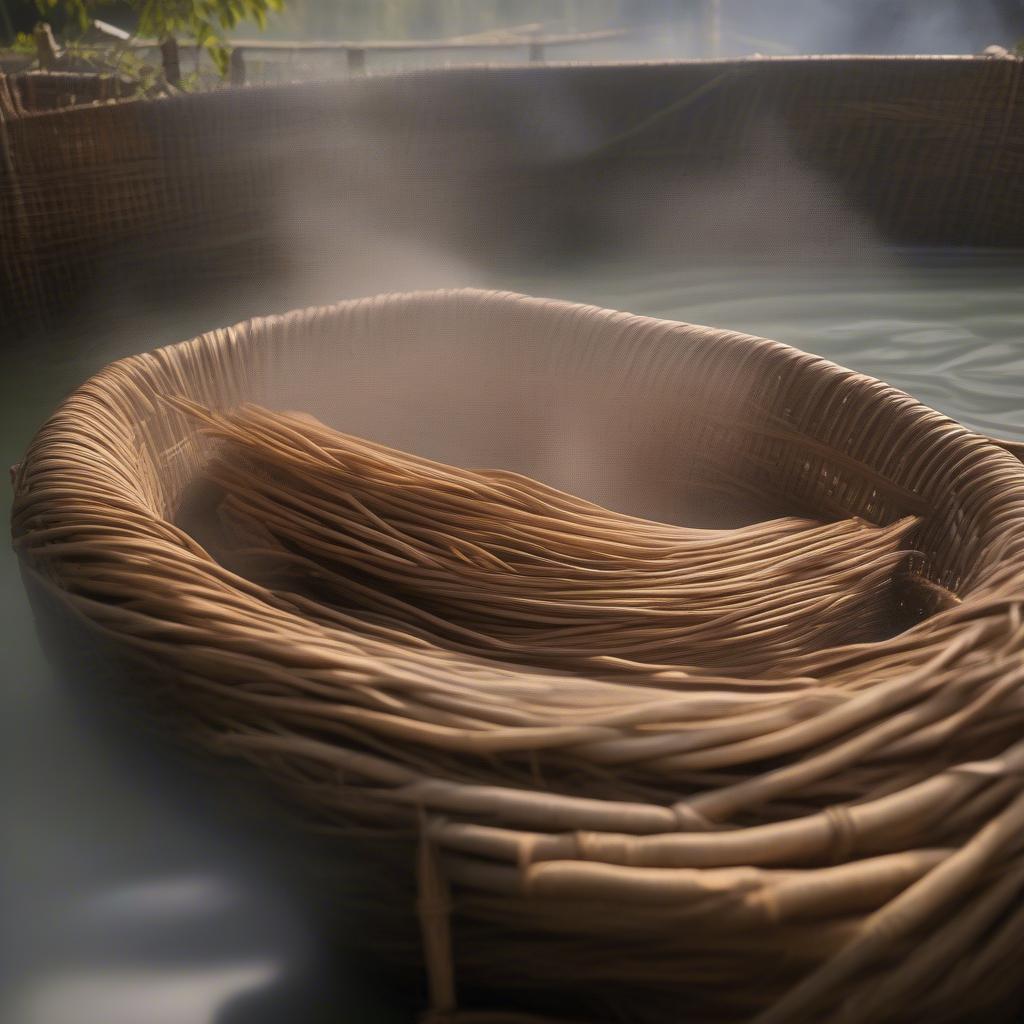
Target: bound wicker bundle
x: 638, y: 834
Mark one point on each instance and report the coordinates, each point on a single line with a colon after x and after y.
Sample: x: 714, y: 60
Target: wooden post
x: 435, y: 913
x: 171, y: 61
x: 10, y: 107
x: 5, y: 18
x: 356, y: 60
x: 237, y: 67
x: 46, y: 46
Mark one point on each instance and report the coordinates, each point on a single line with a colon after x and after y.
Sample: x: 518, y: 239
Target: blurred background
x: 510, y: 31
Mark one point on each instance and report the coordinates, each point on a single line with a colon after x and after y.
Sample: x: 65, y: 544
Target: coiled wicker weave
x: 845, y: 841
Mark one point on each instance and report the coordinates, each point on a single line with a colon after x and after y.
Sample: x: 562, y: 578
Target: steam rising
x: 408, y: 202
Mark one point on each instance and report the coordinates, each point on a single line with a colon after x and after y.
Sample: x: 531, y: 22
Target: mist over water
x: 655, y: 29
x: 868, y: 26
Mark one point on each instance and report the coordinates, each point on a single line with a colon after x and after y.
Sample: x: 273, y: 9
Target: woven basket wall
x: 899, y: 898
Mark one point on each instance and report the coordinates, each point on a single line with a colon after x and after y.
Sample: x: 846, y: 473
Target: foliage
x: 202, y: 20
x: 23, y: 43
x: 122, y: 61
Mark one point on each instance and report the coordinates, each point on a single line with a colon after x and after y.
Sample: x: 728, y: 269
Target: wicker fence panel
x: 39, y: 91
x: 509, y: 162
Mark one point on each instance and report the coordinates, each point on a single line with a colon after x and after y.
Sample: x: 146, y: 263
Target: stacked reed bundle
x: 786, y: 825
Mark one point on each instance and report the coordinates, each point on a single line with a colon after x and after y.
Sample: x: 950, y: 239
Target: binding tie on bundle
x: 844, y: 833
x: 689, y: 819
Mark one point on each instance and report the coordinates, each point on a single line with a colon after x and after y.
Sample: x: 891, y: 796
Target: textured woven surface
x: 838, y: 842
x: 509, y: 162
x: 40, y: 91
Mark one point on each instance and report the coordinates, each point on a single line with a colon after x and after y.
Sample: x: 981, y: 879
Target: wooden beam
x: 406, y: 45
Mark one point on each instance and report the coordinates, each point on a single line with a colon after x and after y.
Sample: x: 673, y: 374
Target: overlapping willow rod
x: 636, y: 770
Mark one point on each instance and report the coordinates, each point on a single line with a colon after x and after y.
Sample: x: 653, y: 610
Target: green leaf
x: 201, y: 20
x: 221, y: 57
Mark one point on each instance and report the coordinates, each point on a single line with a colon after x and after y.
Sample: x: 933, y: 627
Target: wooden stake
x: 237, y: 67
x: 46, y: 46
x: 171, y: 60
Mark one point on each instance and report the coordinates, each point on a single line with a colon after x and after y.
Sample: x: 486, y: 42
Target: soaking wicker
x: 841, y: 839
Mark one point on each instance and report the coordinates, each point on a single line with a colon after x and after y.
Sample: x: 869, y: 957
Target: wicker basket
x: 863, y: 861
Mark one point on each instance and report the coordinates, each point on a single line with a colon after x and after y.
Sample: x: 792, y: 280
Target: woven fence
x: 506, y: 163
x: 31, y: 92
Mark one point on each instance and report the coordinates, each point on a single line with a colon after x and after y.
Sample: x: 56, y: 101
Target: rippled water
x: 948, y: 328
x: 127, y: 900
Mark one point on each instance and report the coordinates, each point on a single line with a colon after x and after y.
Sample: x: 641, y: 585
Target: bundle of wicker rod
x: 503, y: 566
x: 635, y: 770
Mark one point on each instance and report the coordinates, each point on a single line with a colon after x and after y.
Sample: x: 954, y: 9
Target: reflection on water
x: 128, y: 900
x: 136, y: 994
